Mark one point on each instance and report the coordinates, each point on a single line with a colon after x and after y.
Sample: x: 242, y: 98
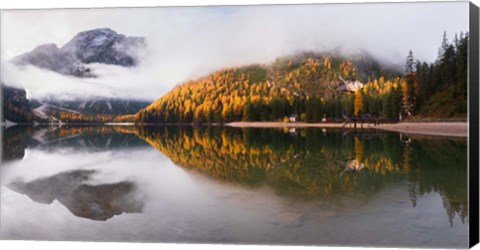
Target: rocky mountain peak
x: 103, y: 46
x: 47, y: 48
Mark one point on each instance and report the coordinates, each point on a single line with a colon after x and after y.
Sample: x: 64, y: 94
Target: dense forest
x: 314, y: 87
x: 441, y: 86
x: 305, y: 85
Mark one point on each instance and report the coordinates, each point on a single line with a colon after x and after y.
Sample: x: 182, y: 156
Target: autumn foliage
x: 303, y: 85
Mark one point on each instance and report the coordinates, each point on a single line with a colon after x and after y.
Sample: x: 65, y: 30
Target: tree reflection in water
x: 312, y: 163
x: 308, y: 163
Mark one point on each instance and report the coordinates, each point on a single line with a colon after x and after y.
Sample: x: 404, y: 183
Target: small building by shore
x: 293, y: 118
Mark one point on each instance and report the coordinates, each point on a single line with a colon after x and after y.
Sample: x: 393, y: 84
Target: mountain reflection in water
x: 311, y: 166
x: 96, y: 202
x: 71, y: 188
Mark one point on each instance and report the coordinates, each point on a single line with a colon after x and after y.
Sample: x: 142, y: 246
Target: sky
x: 189, y: 42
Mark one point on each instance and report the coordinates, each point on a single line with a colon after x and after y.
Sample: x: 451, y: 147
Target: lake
x: 231, y: 185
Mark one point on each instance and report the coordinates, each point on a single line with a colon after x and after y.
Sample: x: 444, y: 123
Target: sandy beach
x: 455, y: 129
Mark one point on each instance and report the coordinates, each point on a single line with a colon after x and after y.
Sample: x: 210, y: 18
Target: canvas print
x: 317, y: 124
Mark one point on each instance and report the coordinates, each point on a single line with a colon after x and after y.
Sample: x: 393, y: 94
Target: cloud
x: 187, y: 42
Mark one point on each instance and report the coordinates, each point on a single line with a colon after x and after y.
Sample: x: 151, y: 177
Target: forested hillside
x: 313, y: 86
x: 442, y: 85
x: 308, y: 85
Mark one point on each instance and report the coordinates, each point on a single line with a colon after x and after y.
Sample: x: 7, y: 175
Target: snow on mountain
x: 97, y: 105
x: 109, y: 105
x: 41, y: 111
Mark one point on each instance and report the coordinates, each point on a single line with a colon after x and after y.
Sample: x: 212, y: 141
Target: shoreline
x: 451, y: 129
x: 448, y: 129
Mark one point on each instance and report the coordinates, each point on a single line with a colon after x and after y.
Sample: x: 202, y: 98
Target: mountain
x: 98, y: 105
x: 16, y: 107
x: 97, y: 109
x: 323, y: 87
x: 309, y: 86
x: 103, y: 46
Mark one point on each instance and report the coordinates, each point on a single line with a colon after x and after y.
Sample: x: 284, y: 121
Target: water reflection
x: 72, y: 188
x: 325, y: 181
x: 96, y: 202
x: 314, y: 163
x: 90, y: 138
x: 15, y: 141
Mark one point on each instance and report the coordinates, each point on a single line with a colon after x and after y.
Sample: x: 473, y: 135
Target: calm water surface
x: 255, y: 186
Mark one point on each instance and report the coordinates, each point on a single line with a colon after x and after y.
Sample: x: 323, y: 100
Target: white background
x: 34, y: 4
